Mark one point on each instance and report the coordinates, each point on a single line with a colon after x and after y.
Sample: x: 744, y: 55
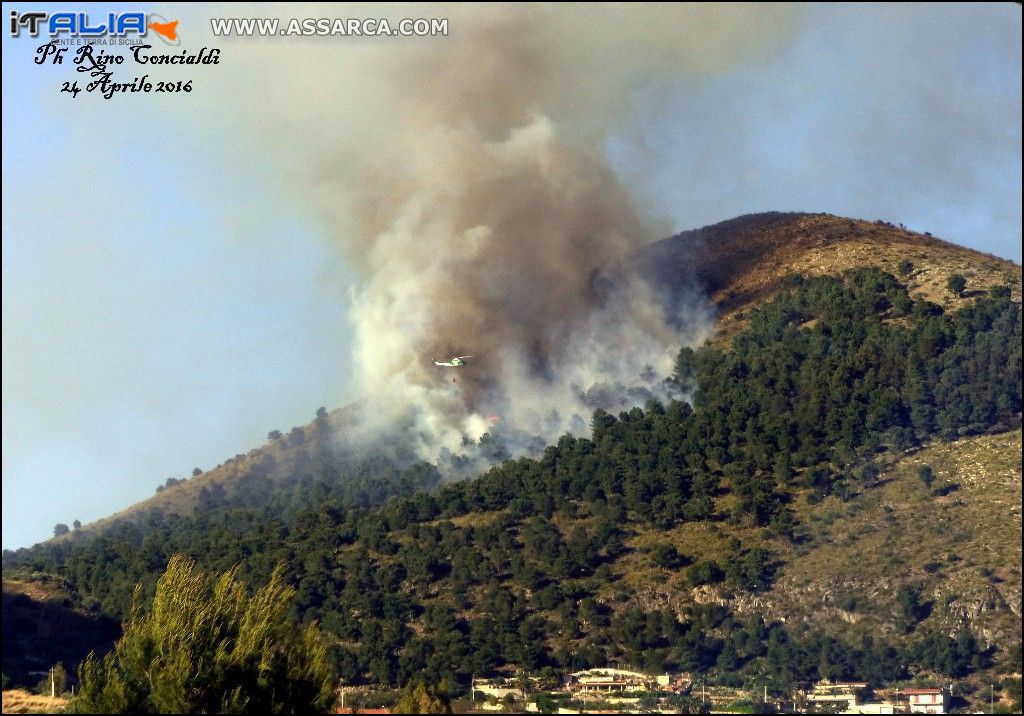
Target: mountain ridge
x: 743, y: 261
x: 740, y: 262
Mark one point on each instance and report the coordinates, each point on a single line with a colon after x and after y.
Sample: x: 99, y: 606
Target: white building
x: 497, y: 688
x: 847, y: 698
x: 838, y: 695
x: 927, y: 701
x: 609, y: 680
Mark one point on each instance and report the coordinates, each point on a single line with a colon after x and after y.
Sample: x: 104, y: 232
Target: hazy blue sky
x: 166, y: 303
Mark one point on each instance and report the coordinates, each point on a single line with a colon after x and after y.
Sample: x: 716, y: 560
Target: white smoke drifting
x: 513, y: 251
x: 466, y: 180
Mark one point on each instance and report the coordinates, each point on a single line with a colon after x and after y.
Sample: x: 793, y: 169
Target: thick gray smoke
x: 515, y: 251
x: 466, y: 180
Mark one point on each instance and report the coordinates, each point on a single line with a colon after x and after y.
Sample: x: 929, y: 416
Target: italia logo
x: 81, y: 24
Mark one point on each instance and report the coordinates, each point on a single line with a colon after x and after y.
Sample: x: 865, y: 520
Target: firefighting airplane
x: 454, y: 362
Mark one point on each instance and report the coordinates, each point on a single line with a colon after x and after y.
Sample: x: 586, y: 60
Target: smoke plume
x: 466, y: 180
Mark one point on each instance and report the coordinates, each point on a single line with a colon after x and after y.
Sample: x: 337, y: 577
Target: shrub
x: 206, y: 646
x: 704, y: 572
x: 957, y: 284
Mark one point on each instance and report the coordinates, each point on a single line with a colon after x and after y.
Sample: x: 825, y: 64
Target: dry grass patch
x: 19, y: 701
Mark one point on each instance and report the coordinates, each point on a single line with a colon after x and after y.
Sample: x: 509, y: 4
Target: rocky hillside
x: 957, y: 541
x: 744, y: 261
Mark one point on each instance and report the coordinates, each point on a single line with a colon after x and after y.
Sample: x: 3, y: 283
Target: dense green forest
x: 513, y: 568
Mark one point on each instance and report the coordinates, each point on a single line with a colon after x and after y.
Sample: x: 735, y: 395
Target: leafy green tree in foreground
x: 206, y: 646
x: 419, y: 698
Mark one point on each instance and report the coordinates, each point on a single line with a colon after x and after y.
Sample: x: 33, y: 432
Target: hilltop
x: 745, y: 261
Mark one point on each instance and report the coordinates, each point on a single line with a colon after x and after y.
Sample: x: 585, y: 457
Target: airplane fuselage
x: 455, y: 362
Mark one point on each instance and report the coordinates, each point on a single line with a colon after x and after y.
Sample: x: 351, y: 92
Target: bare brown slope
x: 743, y: 261
x: 277, y: 459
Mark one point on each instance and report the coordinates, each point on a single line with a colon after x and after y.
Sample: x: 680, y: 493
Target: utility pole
x: 991, y: 698
x: 53, y: 685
